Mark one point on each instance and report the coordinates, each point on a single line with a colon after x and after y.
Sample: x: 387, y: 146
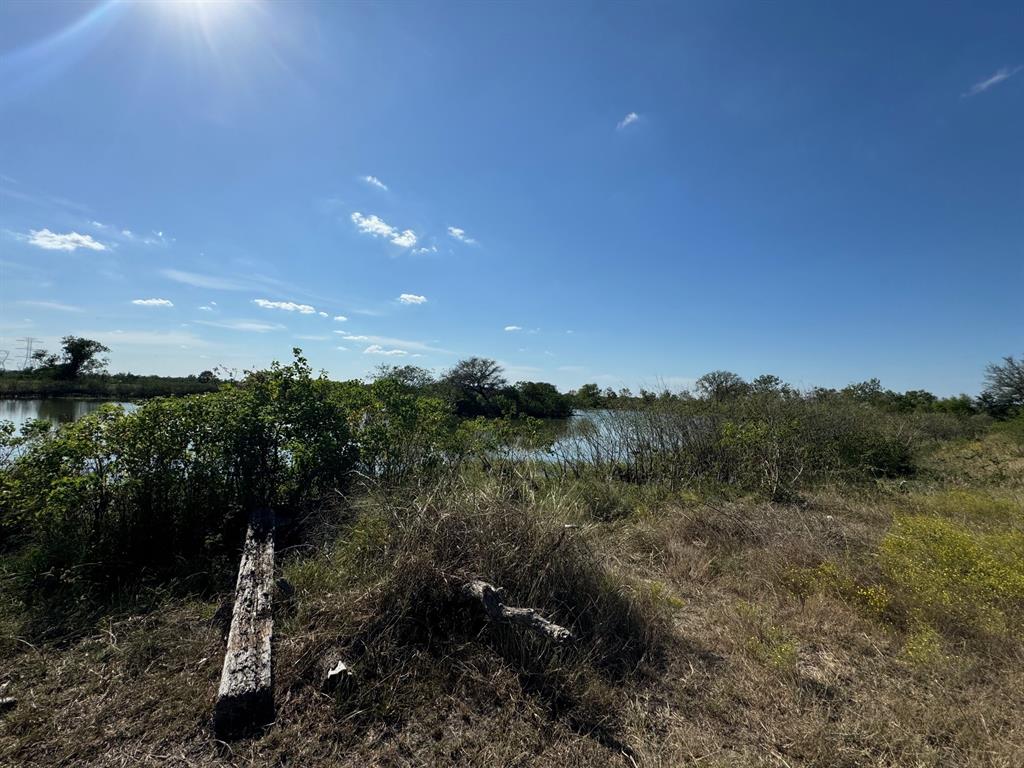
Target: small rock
x: 337, y: 677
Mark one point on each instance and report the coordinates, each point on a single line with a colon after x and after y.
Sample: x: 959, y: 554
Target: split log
x: 492, y: 600
x: 245, y: 700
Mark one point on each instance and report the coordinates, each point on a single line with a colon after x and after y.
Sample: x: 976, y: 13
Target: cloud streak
x: 153, y: 302
x: 69, y: 241
x: 148, y: 339
x: 628, y: 120
x: 251, y: 326
x: 376, y: 226
x: 376, y: 349
x: 55, y: 305
x: 286, y: 306
x: 983, y: 85
x: 460, y: 234
x: 412, y: 298
x: 373, y: 181
x: 417, y: 346
x: 197, y: 280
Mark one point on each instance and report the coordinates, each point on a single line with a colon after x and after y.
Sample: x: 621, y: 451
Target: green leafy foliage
x: 162, y: 493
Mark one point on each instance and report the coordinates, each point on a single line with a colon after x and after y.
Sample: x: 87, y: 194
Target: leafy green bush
x: 767, y: 442
x: 399, y: 435
x: 163, y: 493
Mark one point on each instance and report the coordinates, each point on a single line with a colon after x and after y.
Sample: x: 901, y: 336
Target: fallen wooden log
x: 492, y: 600
x: 245, y: 700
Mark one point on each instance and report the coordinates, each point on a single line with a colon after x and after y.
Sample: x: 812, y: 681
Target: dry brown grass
x: 732, y: 657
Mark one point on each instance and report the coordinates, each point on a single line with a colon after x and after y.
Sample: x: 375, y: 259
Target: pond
x: 57, y: 410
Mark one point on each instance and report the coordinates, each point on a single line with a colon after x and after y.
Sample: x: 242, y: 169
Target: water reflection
x: 55, y: 410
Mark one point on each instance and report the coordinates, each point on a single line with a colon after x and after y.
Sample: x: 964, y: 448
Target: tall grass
x: 769, y: 443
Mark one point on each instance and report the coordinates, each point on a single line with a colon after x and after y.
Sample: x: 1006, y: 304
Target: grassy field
x: 871, y: 624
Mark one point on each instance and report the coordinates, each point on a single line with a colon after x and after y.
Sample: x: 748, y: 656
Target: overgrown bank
x: 762, y: 580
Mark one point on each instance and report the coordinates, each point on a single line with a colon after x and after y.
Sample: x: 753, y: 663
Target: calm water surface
x: 59, y: 410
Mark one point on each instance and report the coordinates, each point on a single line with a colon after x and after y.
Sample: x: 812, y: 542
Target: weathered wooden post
x: 245, y: 701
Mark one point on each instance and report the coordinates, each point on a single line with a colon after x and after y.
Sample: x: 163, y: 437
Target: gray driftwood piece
x: 492, y: 600
x: 245, y: 701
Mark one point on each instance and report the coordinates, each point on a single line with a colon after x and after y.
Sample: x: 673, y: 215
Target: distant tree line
x: 1001, y: 398
x: 476, y: 386
x: 79, y: 369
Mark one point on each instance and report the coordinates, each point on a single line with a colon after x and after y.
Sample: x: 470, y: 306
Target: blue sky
x: 621, y: 193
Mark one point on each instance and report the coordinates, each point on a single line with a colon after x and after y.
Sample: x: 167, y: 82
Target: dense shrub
x: 769, y: 442
x: 118, y: 499
x: 399, y: 434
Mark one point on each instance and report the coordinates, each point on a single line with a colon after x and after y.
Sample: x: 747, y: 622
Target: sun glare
x: 202, y: 12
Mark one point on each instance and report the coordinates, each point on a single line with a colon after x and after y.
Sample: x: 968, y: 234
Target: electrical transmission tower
x: 28, y: 342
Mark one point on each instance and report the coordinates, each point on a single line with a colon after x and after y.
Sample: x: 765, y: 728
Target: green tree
x: 473, y: 385
x: 721, y: 385
x: 408, y: 376
x: 81, y: 356
x: 541, y: 400
x: 588, y: 396
x: 1003, y: 395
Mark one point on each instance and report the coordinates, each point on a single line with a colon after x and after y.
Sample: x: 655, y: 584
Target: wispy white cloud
x: 206, y: 308
x: 69, y: 241
x: 124, y: 234
x: 286, y: 306
x: 322, y: 314
x: 425, y: 249
x: 373, y: 181
x: 376, y: 349
x: 340, y: 318
x: 983, y: 85
x: 197, y: 280
x: 312, y: 337
x: 629, y: 119
x: 157, y: 238
x: 513, y: 328
x: 55, y: 305
x: 153, y: 302
x: 406, y: 239
x: 342, y: 349
x: 148, y: 339
x: 389, y: 341
x: 253, y: 326
x: 376, y: 226
x: 412, y: 298
x: 460, y: 234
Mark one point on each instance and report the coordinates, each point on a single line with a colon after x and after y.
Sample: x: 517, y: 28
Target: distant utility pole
x: 28, y: 341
